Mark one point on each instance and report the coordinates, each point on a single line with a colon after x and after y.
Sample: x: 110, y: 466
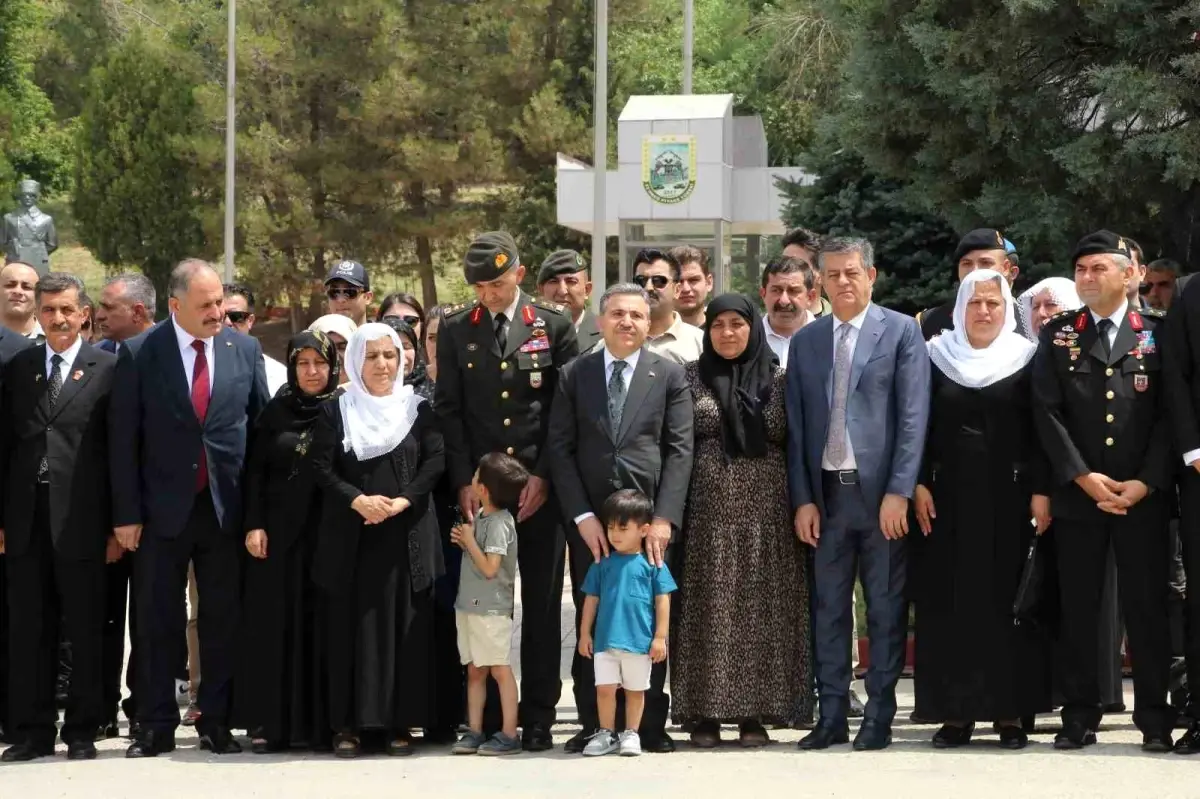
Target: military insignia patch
x: 535, y: 379
x: 501, y: 260
x: 1141, y: 382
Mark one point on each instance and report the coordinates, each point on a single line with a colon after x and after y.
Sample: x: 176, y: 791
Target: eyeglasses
x: 411, y: 321
x: 237, y: 317
x: 342, y: 294
x: 658, y: 281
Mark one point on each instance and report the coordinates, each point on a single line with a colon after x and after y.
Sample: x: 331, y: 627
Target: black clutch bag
x: 1029, y: 589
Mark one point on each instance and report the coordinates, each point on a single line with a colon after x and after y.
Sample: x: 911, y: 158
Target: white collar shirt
x: 780, y: 344
x: 1116, y: 318
x: 68, y: 359
x: 188, y: 353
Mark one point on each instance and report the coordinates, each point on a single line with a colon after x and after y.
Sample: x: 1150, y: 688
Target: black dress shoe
x: 1013, y: 737
x: 1158, y: 743
x: 913, y: 718
x: 824, y: 736
x: 151, y: 744
x: 81, y: 750
x: 135, y: 729
x: 951, y: 737
x: 109, y: 730
x: 872, y: 736
x: 1074, y: 736
x: 658, y: 744
x: 21, y: 753
x: 536, y: 738
x: 219, y: 741
x: 576, y: 743
x: 1113, y: 707
x: 1189, y: 744
x: 856, y: 709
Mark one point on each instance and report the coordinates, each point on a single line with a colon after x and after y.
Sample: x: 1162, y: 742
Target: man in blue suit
x: 185, y: 395
x: 857, y: 405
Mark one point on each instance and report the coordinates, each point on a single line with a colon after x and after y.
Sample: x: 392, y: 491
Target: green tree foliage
x: 137, y: 193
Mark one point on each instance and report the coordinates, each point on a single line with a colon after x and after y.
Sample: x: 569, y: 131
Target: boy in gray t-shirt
x: 483, y: 610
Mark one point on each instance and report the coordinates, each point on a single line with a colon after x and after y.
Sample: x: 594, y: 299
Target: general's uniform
x: 494, y: 400
x: 1103, y: 410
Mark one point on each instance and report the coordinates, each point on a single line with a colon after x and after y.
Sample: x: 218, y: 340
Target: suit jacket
x: 159, y: 437
x: 887, y: 410
x: 588, y: 332
x: 74, y: 439
x: 1181, y: 365
x: 651, y: 452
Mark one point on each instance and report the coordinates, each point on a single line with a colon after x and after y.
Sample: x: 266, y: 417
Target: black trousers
x: 160, y: 582
x: 583, y: 670
x: 1189, y: 537
x: 117, y: 579
x: 1139, y: 542
x: 47, y: 595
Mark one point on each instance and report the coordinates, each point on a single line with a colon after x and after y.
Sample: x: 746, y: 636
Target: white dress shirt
x: 68, y: 358
x: 630, y: 364
x: 855, y: 326
x: 509, y: 313
x: 1116, y: 318
x: 188, y: 354
x: 780, y: 344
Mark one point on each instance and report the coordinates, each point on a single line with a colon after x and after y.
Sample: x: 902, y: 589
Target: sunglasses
x: 411, y: 321
x: 342, y: 294
x: 237, y: 317
x: 658, y: 281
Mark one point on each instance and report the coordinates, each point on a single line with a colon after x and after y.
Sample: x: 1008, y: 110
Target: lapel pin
x: 651, y: 374
x: 228, y: 343
x: 78, y: 374
x: 37, y: 378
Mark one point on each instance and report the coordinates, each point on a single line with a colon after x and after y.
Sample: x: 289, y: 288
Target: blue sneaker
x: 468, y: 744
x: 500, y: 744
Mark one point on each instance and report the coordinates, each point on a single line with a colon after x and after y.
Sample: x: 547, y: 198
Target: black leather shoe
x: 856, y: 709
x: 21, y: 753
x: 1158, y: 743
x: 135, y: 729
x: 151, y: 744
x: 1114, y: 707
x: 658, y: 744
x: 1074, y: 736
x: 109, y: 730
x: 1013, y: 738
x: 872, y: 736
x: 576, y: 743
x: 81, y: 750
x: 219, y: 741
x: 951, y: 737
x: 536, y: 738
x: 1189, y: 744
x: 824, y: 736
x: 913, y: 718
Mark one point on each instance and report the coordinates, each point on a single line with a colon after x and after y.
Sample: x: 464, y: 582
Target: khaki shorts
x: 483, y: 640
x: 629, y: 670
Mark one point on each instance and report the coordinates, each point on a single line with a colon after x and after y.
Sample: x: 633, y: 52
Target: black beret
x: 560, y: 262
x: 984, y: 238
x: 1102, y: 242
x: 490, y: 256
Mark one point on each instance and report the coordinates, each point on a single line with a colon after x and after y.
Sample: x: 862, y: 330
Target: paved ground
x: 910, y: 768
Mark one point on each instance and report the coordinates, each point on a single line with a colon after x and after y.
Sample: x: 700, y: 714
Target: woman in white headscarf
x: 377, y: 454
x: 982, y: 479
x: 1042, y: 301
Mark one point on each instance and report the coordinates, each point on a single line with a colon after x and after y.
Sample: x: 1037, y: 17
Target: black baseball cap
x: 352, y: 272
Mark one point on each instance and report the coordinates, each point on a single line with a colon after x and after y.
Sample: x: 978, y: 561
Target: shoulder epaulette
x: 1155, y: 312
x: 549, y: 306
x: 454, y: 310
x: 1061, y: 315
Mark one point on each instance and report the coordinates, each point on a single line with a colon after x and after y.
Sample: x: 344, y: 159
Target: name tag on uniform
x: 536, y: 345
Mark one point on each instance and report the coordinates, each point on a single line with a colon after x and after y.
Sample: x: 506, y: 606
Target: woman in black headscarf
x: 742, y: 652
x: 415, y: 374
x: 279, y: 690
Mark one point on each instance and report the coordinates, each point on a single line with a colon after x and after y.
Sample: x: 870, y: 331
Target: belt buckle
x: 843, y: 474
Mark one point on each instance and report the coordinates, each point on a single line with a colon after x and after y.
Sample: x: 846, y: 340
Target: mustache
x: 62, y: 327
x: 789, y: 307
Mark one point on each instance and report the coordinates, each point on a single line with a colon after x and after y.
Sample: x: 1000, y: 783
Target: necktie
x: 616, y: 395
x: 835, y: 444
x: 54, y: 388
x: 501, y: 333
x: 1105, y: 326
x: 200, y: 406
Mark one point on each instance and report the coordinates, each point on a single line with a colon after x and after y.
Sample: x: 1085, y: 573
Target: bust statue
x: 28, y: 235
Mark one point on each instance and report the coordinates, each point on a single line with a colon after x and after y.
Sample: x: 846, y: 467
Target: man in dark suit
x: 858, y: 406
x: 185, y: 395
x: 54, y: 439
x: 622, y: 418
x: 563, y: 279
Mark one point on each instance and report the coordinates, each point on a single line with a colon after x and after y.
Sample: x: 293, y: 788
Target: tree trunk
x: 425, y: 269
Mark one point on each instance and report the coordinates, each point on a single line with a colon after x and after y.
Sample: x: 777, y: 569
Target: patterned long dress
x: 743, y: 644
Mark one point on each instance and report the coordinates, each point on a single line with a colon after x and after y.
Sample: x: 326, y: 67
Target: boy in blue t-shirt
x: 629, y: 603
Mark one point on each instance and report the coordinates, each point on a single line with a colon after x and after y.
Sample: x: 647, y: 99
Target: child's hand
x: 461, y: 534
x: 658, y: 650
x: 585, y: 646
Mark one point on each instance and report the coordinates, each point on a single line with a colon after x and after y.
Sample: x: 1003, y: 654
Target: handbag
x: 1029, y: 588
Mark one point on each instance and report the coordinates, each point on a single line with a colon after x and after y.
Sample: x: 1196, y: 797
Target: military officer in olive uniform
x: 984, y: 248
x: 498, y: 361
x: 1100, y: 408
x: 563, y: 280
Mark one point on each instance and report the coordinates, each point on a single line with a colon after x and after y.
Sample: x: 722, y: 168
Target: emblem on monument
x: 669, y: 167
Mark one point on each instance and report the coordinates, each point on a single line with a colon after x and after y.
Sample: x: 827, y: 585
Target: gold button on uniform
x: 509, y: 450
x: 1108, y: 418
x: 1110, y: 395
x: 470, y: 365
x: 507, y: 422
x: 1108, y: 442
x: 503, y: 395
x: 1108, y: 372
x: 504, y: 365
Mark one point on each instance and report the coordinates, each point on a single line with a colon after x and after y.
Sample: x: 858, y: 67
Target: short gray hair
x: 630, y: 289
x: 843, y: 245
x: 1121, y: 261
x: 137, y: 289
x: 58, y: 282
x: 182, y: 274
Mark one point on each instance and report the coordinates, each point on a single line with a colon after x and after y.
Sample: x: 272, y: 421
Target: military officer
x: 563, y: 280
x: 498, y: 360
x: 1100, y: 409
x: 983, y: 248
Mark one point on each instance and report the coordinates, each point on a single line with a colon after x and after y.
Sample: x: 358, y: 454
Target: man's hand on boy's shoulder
x: 658, y: 650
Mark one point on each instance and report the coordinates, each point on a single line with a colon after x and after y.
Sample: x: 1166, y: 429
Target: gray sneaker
x: 468, y: 744
x: 500, y: 744
x: 604, y: 742
x: 631, y: 744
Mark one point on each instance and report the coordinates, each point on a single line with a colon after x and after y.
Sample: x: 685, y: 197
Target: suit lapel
x: 42, y: 383
x: 595, y: 392
x: 639, y: 388
x: 868, y: 337
x: 77, y: 377
x: 174, y: 374
x: 823, y: 355
x: 518, y: 331
x: 1125, y: 341
x: 224, y: 362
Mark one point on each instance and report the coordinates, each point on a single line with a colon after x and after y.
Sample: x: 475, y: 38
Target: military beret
x: 984, y: 238
x: 560, y: 262
x: 490, y: 256
x: 1102, y: 242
